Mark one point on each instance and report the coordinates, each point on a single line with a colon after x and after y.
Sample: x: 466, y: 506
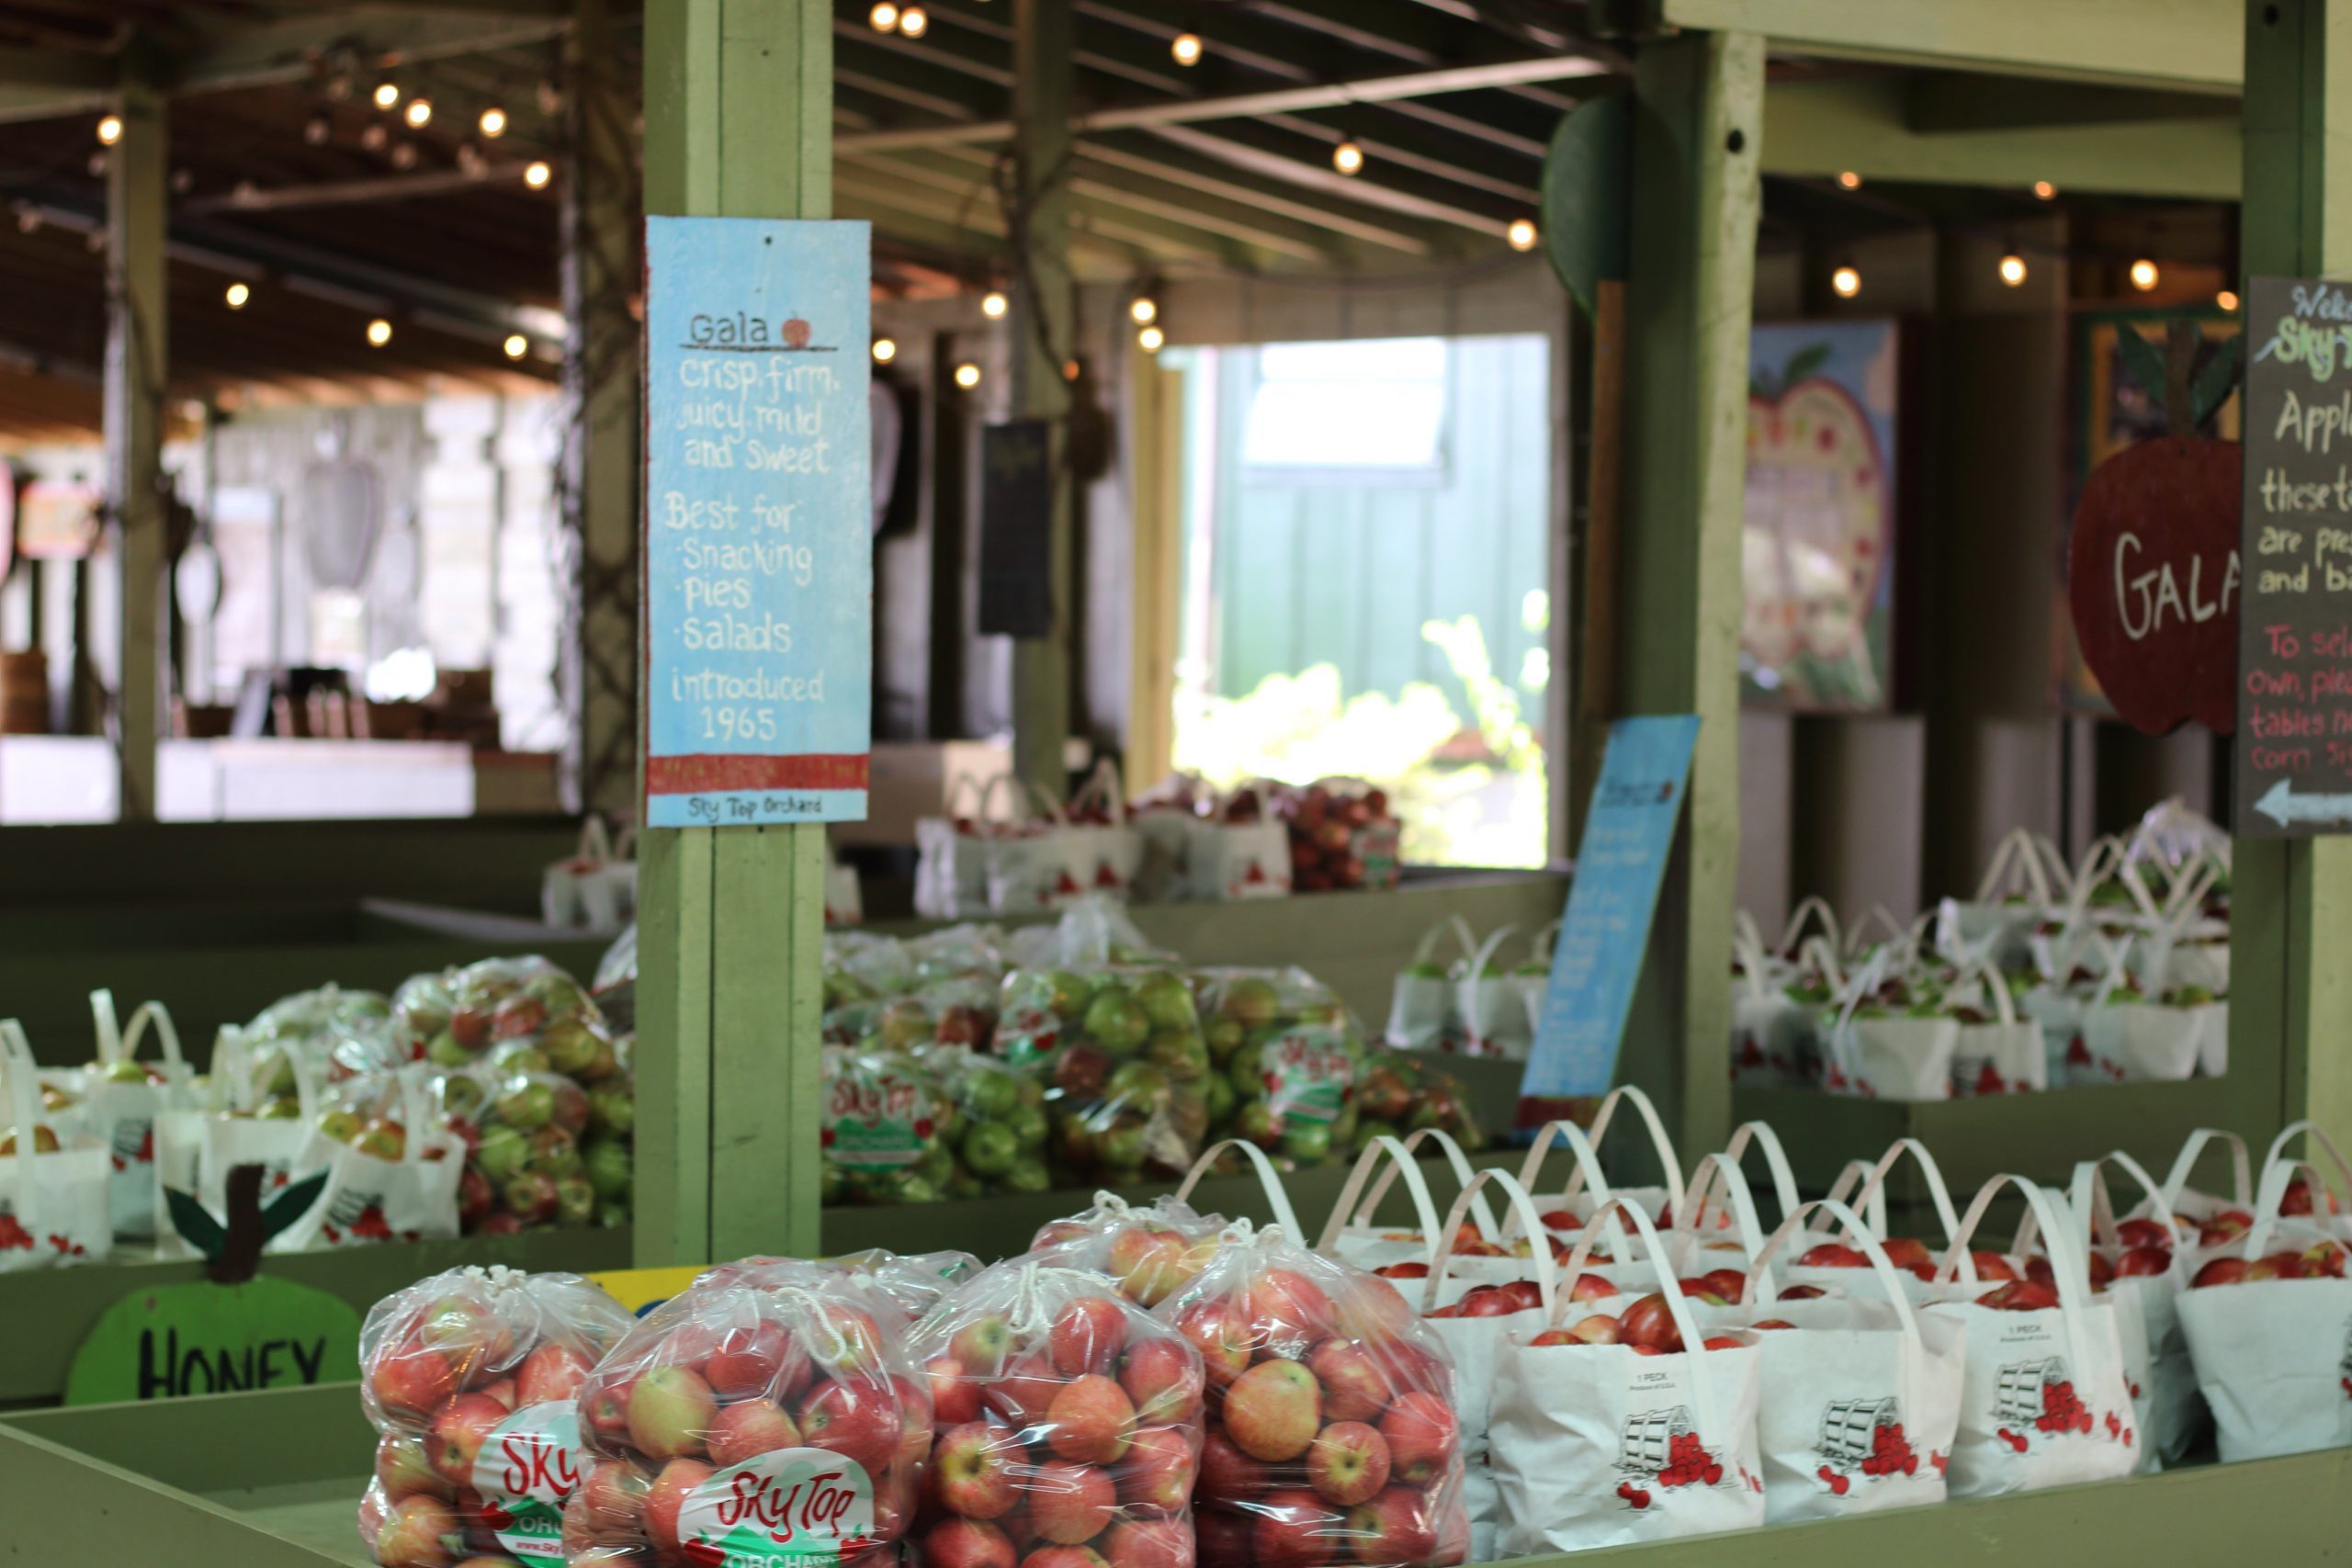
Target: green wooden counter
x: 272, y: 1480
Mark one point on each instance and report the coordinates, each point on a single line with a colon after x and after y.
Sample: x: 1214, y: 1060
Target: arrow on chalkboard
x: 2284, y: 807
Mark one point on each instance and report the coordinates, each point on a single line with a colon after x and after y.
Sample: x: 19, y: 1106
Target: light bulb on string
x: 317, y: 129
x: 993, y: 305
x: 884, y: 17
x: 109, y: 130
x: 386, y: 95
x: 517, y: 345
x: 1523, y: 233
x: 379, y: 332
x: 1347, y: 158
x: 968, y: 375
x: 2227, y: 300
x: 1850, y: 180
x: 404, y: 155
x: 538, y: 174
x: 1152, y: 340
x: 493, y: 123
x: 238, y: 293
x: 885, y: 350
x: 1187, y: 47
x: 373, y: 138
x: 2012, y: 269
x: 2144, y: 275
x: 1144, y: 308
x: 2044, y: 191
x: 914, y: 21
x: 1846, y: 282
x: 419, y: 112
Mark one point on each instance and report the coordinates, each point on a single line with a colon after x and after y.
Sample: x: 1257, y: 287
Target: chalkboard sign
x: 2294, y: 746
x: 1612, y: 900
x: 759, y: 497
x: 1017, y: 529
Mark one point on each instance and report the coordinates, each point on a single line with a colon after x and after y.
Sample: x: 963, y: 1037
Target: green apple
x: 1166, y: 1001
x: 612, y: 1108
x: 280, y: 1108
x: 904, y: 1024
x: 991, y: 1093
x: 1247, y: 1072
x: 1032, y: 1093
x: 1424, y: 969
x: 1068, y: 992
x: 340, y: 1125
x: 610, y: 1169
x: 1217, y: 1094
x: 1028, y: 1175
x: 1139, y: 1087
x: 1256, y: 1120
x: 1367, y: 1132
x: 554, y: 1153
x: 526, y: 1105
x: 503, y: 1153
x: 937, y: 1166
x: 1122, y: 1148
x: 1309, y: 1143
x: 991, y: 1148
x: 1028, y: 1126
x: 965, y: 1185
x: 1224, y: 1036
x: 912, y: 1187
x: 1116, y: 1021
x: 575, y: 1201
x: 576, y: 1050
x: 444, y: 1051
x: 1251, y: 1002
x: 124, y: 1071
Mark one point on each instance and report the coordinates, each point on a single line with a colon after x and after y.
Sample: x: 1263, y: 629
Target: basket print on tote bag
x: 1863, y: 1439
x: 1663, y: 1451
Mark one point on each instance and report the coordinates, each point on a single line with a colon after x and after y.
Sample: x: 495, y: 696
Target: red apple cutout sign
x: 2153, y: 582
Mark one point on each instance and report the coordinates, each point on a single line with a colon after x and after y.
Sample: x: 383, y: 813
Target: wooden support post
x: 137, y: 358
x: 738, y: 107
x: 601, y: 273
x: 2291, y: 901
x: 1698, y: 109
x: 1043, y: 314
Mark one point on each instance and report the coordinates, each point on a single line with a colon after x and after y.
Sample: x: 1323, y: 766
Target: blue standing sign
x: 758, y: 532
x: 1611, y: 903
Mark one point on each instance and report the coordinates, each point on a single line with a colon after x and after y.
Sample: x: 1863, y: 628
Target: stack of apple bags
x: 1144, y: 1388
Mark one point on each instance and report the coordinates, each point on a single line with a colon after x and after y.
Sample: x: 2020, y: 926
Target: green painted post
x: 739, y: 104
x: 1696, y: 125
x: 136, y: 361
x: 2290, y: 1005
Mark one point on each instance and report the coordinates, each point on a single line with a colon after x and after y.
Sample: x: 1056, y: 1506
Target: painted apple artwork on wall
x: 1816, y: 551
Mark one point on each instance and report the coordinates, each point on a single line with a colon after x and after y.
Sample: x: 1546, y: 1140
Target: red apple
x: 404, y: 1471
x: 1593, y: 1287
x: 613, y: 1500
x: 2143, y: 1233
x: 1487, y: 1301
x: 1274, y: 1410
x: 2220, y: 1271
x: 1051, y: 1557
x: 603, y: 1406
x: 1086, y: 1333
x: 967, y: 1543
x: 1356, y: 1386
x: 1025, y: 1391
x: 1906, y: 1252
x: 417, y: 1533
x: 750, y: 1426
x: 1159, y: 1470
x: 1070, y: 1504
x: 503, y: 1392
x: 2141, y: 1262
x: 1149, y: 1543
x: 1216, y: 1330
x: 1396, y: 1527
x: 1162, y: 1377
x: 859, y: 1421
x: 1403, y: 1271
x: 551, y: 1372
x: 1092, y: 1421
x: 1228, y: 1474
x: 761, y: 1360
x: 971, y: 1467
x: 982, y: 1345
x: 1423, y: 1438
x: 1834, y: 1255
x: 1147, y: 1263
x: 666, y: 1496
x: 459, y: 1432
x: 1991, y: 1268
x: 1285, y: 1304
x: 670, y: 1412
x: 413, y: 1384
x: 1773, y: 1322
x: 954, y: 1398
x: 1802, y: 1294
x: 1348, y: 1464
x: 846, y: 1343
x: 1294, y: 1529
x: 2020, y: 1295
x: 1650, y: 1321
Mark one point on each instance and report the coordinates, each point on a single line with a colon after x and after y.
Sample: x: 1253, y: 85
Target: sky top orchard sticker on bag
x: 877, y: 1111
x: 1307, y: 1070
x: 525, y: 1473
x: 789, y: 1505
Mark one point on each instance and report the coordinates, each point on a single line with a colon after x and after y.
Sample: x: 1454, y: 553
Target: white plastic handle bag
x: 1665, y: 1200
x: 1859, y: 1402
x: 1771, y: 1032
x: 368, y: 1200
x: 2046, y: 1401
x: 2003, y: 1056
x: 2138, y: 1040
x: 1862, y: 1186
x: 1107, y: 856
x: 1422, y: 1015
x: 1351, y: 1234
x: 1493, y: 1007
x: 1888, y: 1058
x: 1596, y: 1445
x: 54, y: 1208
x: 1035, y: 866
x: 123, y: 1099
x: 1233, y: 861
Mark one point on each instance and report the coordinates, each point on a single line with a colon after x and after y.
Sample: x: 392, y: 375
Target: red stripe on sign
x: 714, y: 773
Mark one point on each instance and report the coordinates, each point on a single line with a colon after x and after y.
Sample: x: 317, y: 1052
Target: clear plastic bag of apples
x: 471, y: 1378
x: 769, y: 1411
x: 1066, y: 1426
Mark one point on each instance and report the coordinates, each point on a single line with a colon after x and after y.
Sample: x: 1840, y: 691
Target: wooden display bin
x: 273, y: 1480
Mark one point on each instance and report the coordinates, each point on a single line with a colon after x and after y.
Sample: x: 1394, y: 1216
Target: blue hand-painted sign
x: 758, y: 536
x: 1628, y: 833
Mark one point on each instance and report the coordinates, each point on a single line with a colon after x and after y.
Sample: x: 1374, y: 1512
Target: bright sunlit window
x: 1332, y: 407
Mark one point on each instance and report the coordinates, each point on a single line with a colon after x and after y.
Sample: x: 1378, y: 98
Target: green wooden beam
x: 1044, y: 333
x: 1820, y: 127
x: 379, y: 35
x: 1946, y: 101
x: 2290, y: 1015
x: 738, y: 113
x: 1697, y: 193
x: 2196, y: 44
x: 137, y: 368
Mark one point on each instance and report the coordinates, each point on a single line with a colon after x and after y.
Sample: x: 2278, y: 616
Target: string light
x: 886, y: 349
x: 404, y: 155
x: 1152, y: 340
x: 418, y: 113
x: 1347, y: 158
x: 1187, y: 47
x: 1846, y: 282
x: 994, y: 305
x: 914, y: 21
x: 317, y: 131
x: 968, y: 375
x: 517, y: 345
x: 2144, y: 275
x: 386, y: 95
x: 2044, y: 191
x: 538, y: 174
x: 1522, y: 234
x: 373, y: 138
x: 1144, y: 308
x: 2013, y: 269
x: 2227, y: 300
x: 109, y: 130
x: 884, y: 17
x: 493, y: 123
x: 379, y: 332
x: 237, y: 296
x: 1850, y: 180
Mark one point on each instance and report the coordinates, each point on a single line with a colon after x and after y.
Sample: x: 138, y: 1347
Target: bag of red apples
x: 469, y: 1376
x: 2266, y: 1315
x: 1148, y: 1253
x: 1065, y: 1426
x: 769, y: 1411
x: 1331, y: 1433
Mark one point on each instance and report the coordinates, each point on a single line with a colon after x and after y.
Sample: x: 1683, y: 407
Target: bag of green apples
x: 886, y: 1120
x: 520, y: 1013
x: 1121, y: 1052
x: 2138, y: 1029
x: 392, y: 1166
x: 1424, y: 1005
x: 1148, y: 1253
x: 764, y: 1408
x: 1066, y: 1424
x: 1285, y: 1054
x: 1399, y: 1092
x: 997, y: 1130
x: 541, y: 1149
x: 54, y: 1184
x: 470, y: 1379
x: 122, y: 1096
